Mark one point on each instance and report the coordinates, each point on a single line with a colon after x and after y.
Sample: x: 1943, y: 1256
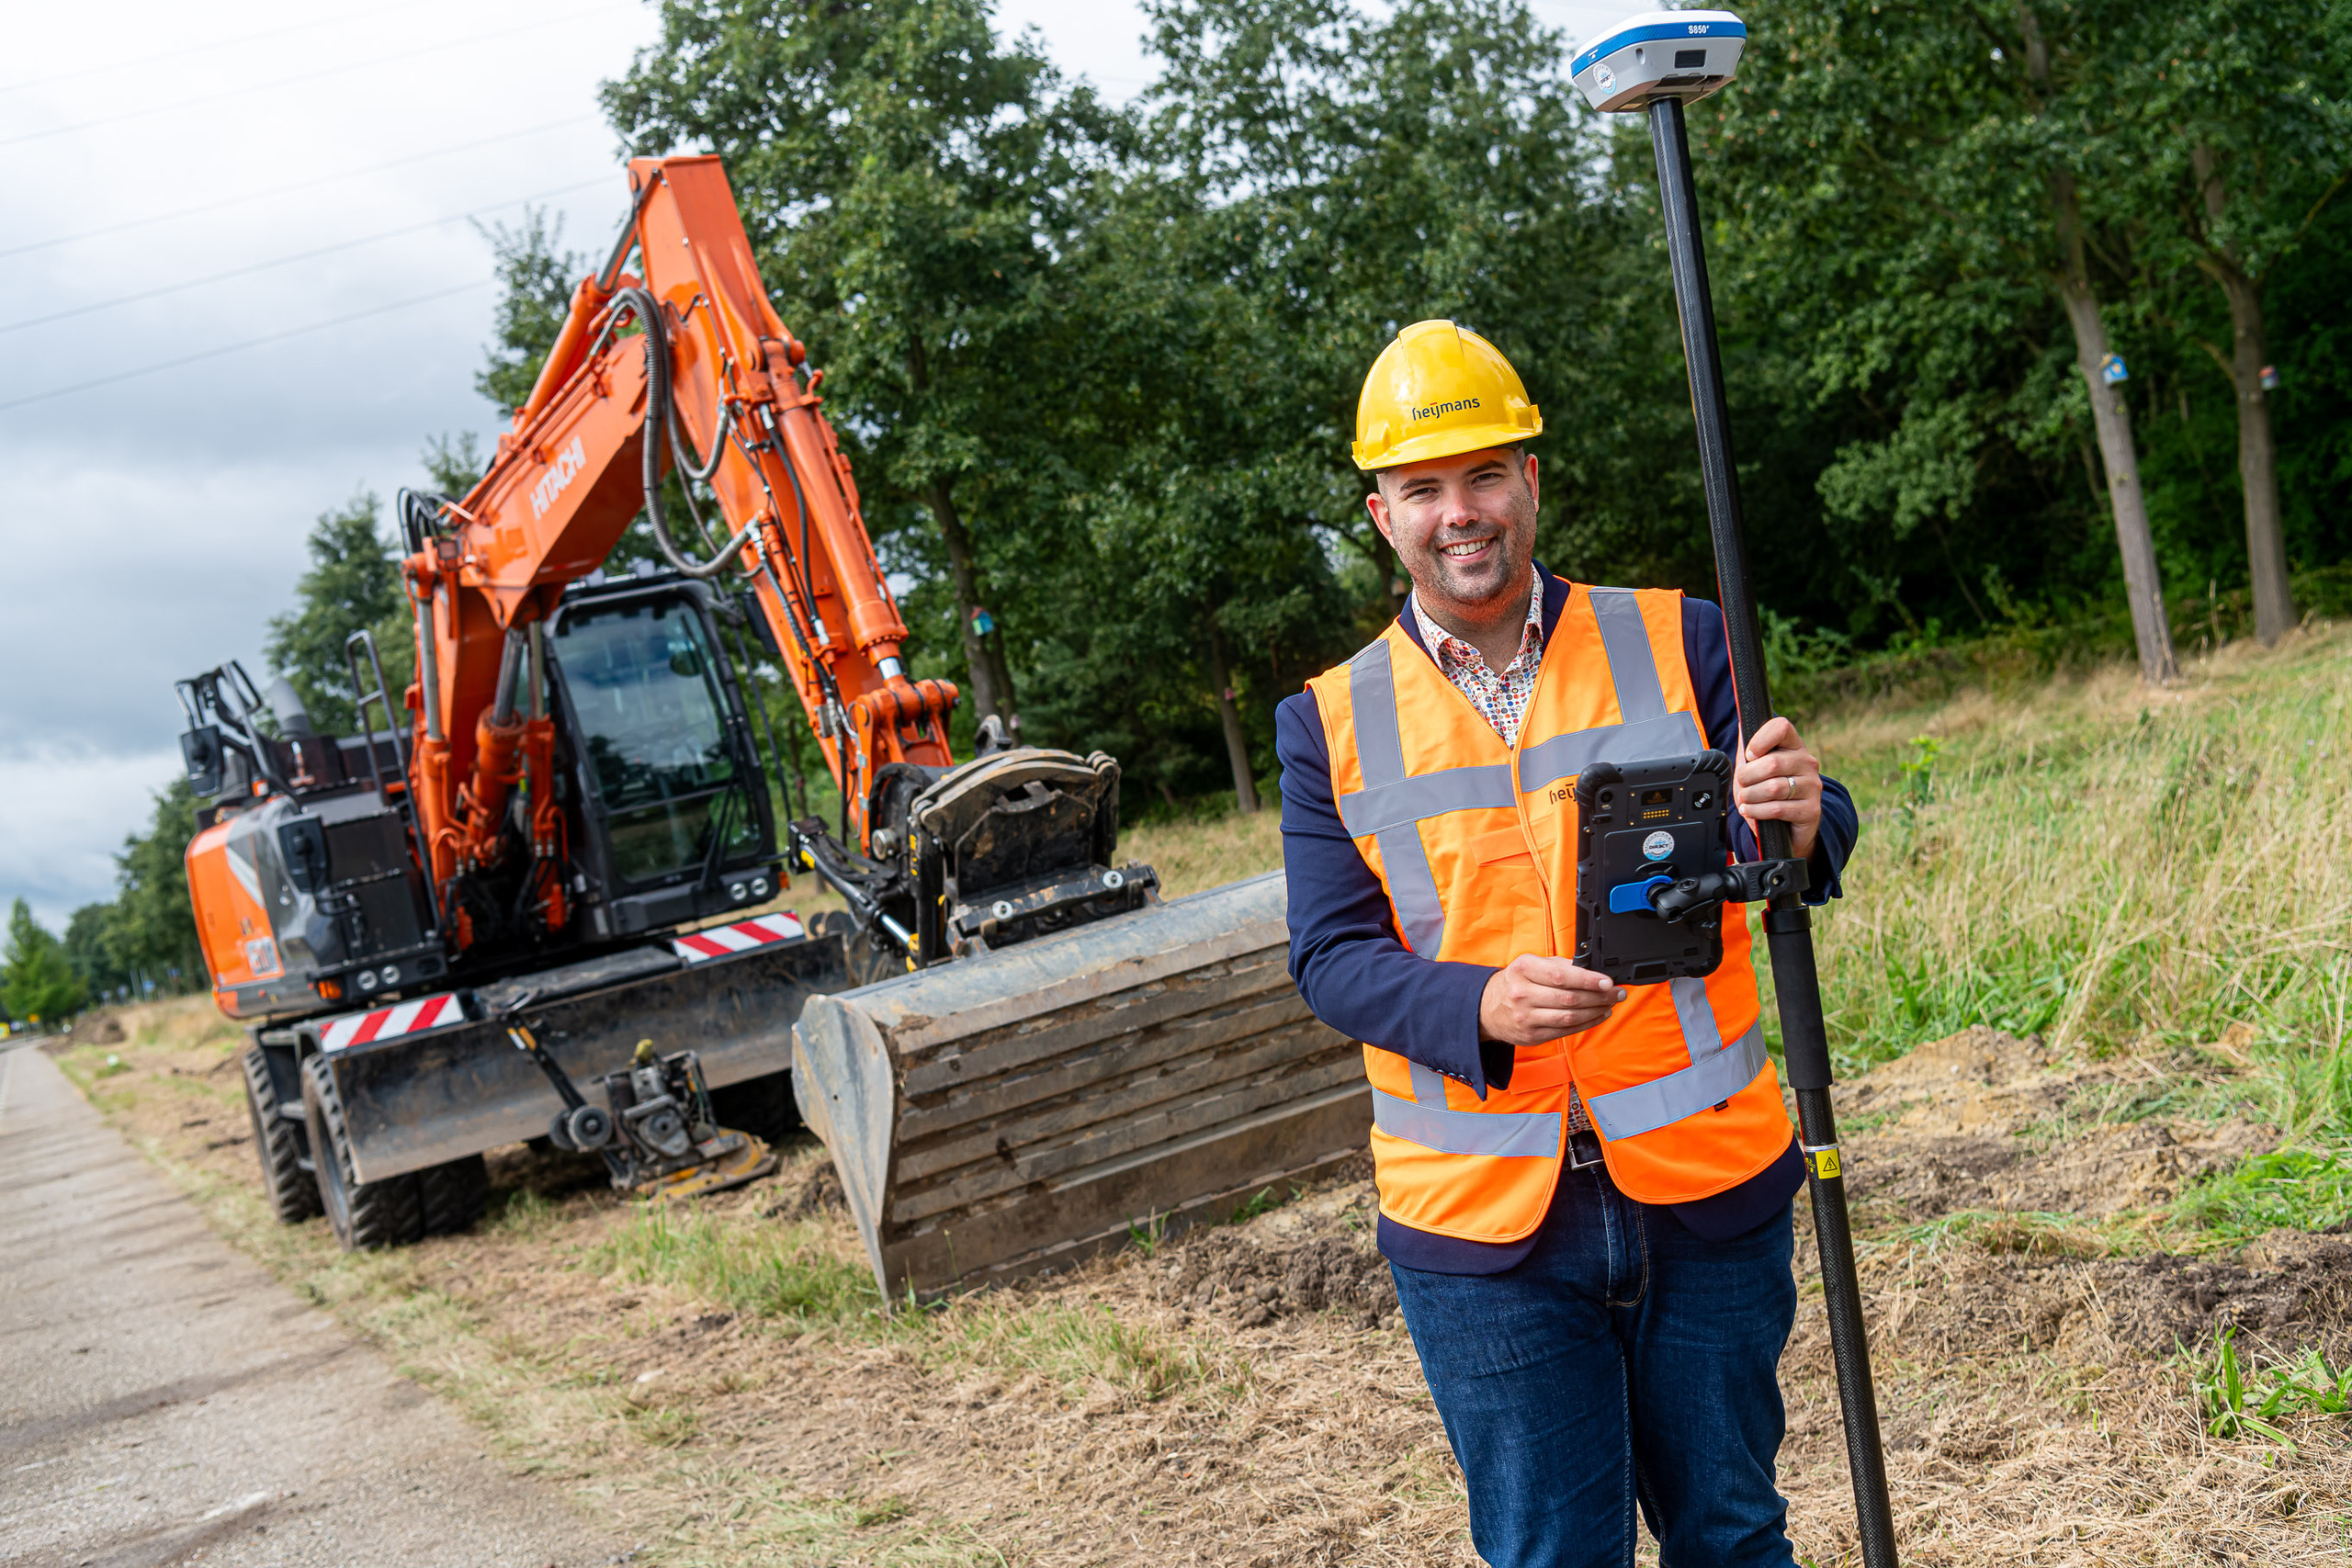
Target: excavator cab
x: 675, y: 818
x: 312, y: 893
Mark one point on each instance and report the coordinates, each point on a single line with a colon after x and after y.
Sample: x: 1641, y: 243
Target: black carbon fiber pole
x: 1788, y: 927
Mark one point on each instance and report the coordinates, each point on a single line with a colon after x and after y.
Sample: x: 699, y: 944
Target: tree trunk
x: 2266, y: 547
x: 992, y: 690
x: 1237, y: 745
x: 2143, y: 587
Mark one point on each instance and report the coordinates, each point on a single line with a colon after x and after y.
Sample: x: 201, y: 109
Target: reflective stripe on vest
x: 1426, y: 1121
x: 1714, y: 1075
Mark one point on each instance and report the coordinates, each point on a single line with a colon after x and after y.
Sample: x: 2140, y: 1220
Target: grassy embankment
x: 2155, y: 883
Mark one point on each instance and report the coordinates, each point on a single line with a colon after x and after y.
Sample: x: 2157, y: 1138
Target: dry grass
x: 2117, y: 868
x: 1193, y: 856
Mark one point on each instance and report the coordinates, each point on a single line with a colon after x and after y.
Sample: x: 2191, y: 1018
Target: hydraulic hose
x: 682, y: 450
x: 658, y: 420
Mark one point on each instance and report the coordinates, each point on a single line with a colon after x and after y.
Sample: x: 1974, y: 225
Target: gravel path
x: 166, y: 1402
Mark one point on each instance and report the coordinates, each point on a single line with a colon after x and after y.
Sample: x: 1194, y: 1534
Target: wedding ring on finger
x: 1791, y: 793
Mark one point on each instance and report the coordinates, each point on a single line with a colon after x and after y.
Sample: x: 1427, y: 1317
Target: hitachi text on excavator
x: 527, y: 900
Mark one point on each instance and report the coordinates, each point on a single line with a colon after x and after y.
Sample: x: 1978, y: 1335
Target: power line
x: 369, y: 63
x: 207, y: 47
x: 241, y: 348
x: 299, y: 185
x: 297, y: 256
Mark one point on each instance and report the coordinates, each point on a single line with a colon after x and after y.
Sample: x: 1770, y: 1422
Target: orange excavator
x: 560, y: 840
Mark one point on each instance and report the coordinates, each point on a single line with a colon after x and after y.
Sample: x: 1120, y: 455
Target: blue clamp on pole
x: 1633, y: 898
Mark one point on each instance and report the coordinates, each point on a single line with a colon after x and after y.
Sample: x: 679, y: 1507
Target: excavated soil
x: 1246, y: 1394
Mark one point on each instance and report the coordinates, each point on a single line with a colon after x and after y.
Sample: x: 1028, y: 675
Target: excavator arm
x: 684, y: 365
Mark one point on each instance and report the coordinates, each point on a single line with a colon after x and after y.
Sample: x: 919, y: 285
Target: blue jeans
x: 1625, y: 1361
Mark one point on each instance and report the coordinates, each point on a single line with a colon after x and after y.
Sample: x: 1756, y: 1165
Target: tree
x: 535, y: 277
x: 152, y: 930
x: 2244, y: 137
x: 1317, y: 176
x: 353, y: 583
x: 1919, y: 197
x: 909, y: 181
x: 36, y: 981
x: 88, y: 948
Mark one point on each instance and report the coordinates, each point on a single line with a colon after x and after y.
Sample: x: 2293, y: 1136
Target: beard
x: 1480, y: 581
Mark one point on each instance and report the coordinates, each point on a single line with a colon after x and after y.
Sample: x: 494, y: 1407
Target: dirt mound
x: 1977, y: 1056
x: 97, y: 1029
x: 1985, y: 1120
x: 1226, y: 1270
x: 818, y: 1191
x: 2297, y: 1293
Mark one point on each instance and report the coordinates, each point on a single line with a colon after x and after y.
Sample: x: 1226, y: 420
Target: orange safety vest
x: 1474, y: 840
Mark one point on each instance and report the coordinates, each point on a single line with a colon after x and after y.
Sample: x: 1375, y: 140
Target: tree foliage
x: 535, y: 275
x: 37, y: 984
x: 353, y: 584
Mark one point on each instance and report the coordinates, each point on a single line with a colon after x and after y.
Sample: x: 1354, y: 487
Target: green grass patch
x: 2038, y: 1233
x: 2118, y: 871
x: 2291, y: 1188
x: 1079, y: 1348
x: 521, y: 1213
x: 785, y: 1271
x: 790, y: 1275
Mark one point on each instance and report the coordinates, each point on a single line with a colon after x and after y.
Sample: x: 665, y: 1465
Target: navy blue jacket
x: 1360, y: 979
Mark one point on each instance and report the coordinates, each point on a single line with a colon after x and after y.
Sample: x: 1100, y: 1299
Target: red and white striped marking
x: 391, y: 1022
x: 717, y: 941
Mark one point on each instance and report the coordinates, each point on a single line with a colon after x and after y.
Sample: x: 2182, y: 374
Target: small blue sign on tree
x: 2111, y: 369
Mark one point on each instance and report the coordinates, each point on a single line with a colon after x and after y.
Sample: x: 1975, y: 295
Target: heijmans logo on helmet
x: 1434, y: 410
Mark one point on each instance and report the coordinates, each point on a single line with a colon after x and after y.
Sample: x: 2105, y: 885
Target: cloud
x: 83, y: 802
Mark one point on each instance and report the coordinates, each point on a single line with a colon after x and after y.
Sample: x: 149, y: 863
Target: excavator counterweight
x: 449, y: 931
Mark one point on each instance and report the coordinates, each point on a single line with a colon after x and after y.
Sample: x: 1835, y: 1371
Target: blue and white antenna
x: 1660, y: 54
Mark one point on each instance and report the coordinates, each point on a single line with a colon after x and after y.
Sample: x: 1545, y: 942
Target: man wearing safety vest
x: 1584, y: 1191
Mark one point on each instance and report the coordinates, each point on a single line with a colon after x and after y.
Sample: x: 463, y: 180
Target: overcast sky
x: 326, y: 154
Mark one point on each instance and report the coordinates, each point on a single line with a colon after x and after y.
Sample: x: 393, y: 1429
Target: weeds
x: 1919, y: 775
x: 1263, y: 1202
x: 1145, y: 1237
x: 2293, y: 1189
x: 2240, y: 1398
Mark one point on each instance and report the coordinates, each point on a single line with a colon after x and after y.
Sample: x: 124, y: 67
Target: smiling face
x: 1465, y: 529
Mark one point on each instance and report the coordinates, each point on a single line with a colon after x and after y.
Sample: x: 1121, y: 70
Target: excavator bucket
x: 1022, y: 1109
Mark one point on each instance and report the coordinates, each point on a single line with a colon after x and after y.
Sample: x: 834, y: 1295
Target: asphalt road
x: 164, y: 1401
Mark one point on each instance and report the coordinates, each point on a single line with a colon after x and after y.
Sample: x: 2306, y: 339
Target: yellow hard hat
x: 1439, y: 391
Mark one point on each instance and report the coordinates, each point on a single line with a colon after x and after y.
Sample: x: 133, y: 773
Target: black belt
x: 1584, y: 1148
